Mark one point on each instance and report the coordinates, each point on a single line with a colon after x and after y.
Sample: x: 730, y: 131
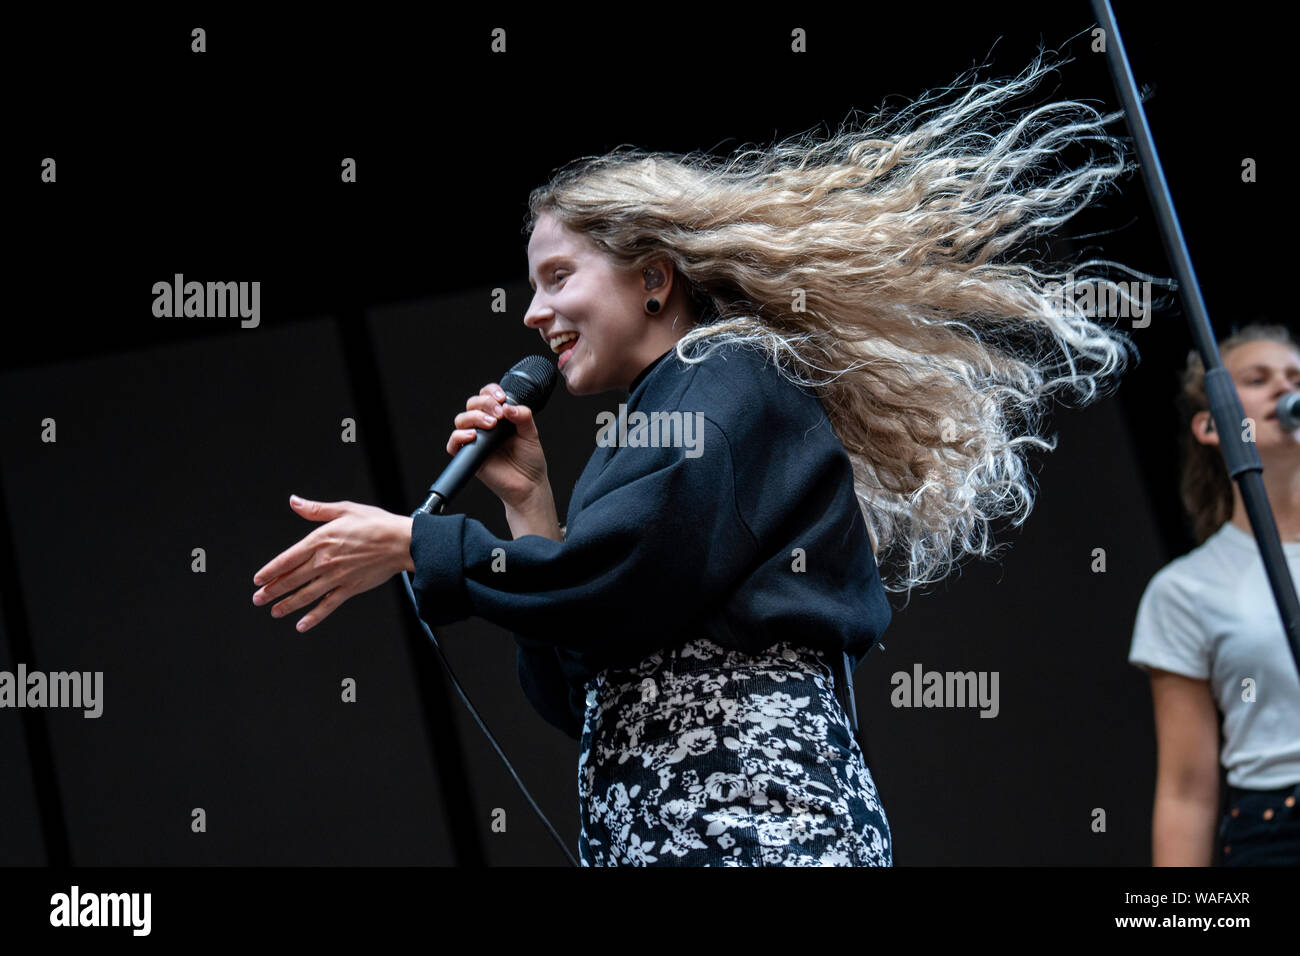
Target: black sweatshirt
x: 746, y: 531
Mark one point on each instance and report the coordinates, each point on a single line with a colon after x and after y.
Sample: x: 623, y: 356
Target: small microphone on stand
x: 1288, y: 411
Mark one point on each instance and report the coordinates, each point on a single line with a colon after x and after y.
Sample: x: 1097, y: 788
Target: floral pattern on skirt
x: 705, y: 756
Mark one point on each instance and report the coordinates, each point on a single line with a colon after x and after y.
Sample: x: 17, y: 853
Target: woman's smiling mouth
x: 565, y: 349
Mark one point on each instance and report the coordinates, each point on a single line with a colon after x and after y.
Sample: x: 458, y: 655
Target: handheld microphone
x: 1288, y: 411
x: 530, y: 383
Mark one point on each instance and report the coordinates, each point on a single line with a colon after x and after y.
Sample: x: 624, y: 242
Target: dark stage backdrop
x: 184, y: 434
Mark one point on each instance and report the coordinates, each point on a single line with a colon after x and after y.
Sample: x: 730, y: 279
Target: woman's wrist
x: 405, y: 528
x: 535, y: 515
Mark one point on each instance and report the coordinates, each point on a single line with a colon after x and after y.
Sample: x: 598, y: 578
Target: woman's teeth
x: 558, y: 342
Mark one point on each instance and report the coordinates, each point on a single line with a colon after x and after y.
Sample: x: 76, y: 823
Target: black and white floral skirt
x: 703, y: 756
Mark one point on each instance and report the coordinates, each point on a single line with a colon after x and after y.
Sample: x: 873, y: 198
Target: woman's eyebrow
x: 1290, y: 369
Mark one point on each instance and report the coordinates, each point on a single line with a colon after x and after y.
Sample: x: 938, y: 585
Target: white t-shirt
x: 1211, y: 615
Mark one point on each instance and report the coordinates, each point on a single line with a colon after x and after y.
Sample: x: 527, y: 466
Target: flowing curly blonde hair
x: 863, y: 265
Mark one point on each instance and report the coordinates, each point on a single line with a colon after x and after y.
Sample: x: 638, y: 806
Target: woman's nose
x: 536, y: 313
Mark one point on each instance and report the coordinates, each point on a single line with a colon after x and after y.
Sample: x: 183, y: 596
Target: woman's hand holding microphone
x: 516, y: 471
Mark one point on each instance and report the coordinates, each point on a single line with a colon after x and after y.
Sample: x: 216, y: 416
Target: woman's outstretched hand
x: 360, y: 548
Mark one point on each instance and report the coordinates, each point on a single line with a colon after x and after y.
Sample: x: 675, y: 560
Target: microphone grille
x: 531, y: 381
x: 1288, y: 411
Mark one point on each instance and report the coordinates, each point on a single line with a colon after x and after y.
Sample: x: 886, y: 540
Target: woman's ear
x: 659, y: 277
x: 1203, y: 429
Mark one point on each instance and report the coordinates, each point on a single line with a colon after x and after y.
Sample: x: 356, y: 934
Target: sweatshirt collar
x: 648, y: 369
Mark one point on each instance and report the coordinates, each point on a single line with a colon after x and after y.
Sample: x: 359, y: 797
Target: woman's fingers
x: 483, y: 410
x: 303, y: 596
x: 522, y: 418
x: 460, y: 438
x: 478, y: 418
x: 285, y: 583
x: 287, y: 560
x: 482, y: 416
x: 486, y: 405
x: 323, y: 610
x: 489, y: 403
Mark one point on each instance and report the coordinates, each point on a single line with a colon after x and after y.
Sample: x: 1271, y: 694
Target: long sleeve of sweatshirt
x: 658, y: 542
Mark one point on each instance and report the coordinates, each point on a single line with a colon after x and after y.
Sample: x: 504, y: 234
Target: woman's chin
x: 572, y: 382
x: 1285, y: 452
x: 569, y: 383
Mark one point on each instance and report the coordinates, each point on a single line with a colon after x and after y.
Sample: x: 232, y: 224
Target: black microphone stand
x: 1240, y: 455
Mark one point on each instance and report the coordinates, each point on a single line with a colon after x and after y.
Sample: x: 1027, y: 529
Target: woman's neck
x: 1282, y: 485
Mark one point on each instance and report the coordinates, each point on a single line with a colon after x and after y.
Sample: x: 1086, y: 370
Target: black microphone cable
x: 406, y: 579
x: 529, y: 383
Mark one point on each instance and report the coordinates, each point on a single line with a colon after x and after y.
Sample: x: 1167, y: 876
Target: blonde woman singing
x: 838, y: 362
